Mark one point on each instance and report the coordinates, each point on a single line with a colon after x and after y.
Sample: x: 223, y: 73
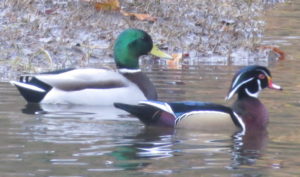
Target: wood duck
x: 248, y: 83
x: 247, y: 112
x: 97, y: 86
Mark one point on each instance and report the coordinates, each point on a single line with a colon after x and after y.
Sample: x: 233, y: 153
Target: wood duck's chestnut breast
x: 253, y: 112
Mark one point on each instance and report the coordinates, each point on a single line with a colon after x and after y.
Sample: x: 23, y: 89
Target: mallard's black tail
x: 32, y: 90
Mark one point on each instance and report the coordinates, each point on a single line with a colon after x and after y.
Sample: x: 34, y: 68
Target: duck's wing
x: 35, y: 87
x: 183, y: 107
x: 78, y: 79
x: 151, y: 113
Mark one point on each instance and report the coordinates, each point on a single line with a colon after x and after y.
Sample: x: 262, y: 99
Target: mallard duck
x: 97, y: 86
x: 247, y: 113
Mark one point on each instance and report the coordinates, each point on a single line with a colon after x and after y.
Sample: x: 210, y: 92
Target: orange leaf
x: 174, y: 63
x: 143, y: 17
x: 280, y: 52
x: 110, y: 5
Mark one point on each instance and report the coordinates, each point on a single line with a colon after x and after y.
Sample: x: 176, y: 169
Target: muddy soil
x: 42, y: 35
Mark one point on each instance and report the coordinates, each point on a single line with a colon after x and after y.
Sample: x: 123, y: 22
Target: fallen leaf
x: 143, y: 17
x: 109, y: 5
x: 175, y: 62
x: 280, y: 52
x: 50, y: 11
x: 114, y: 5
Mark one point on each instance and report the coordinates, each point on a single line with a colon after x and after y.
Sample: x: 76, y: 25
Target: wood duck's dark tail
x: 145, y: 113
x: 150, y: 115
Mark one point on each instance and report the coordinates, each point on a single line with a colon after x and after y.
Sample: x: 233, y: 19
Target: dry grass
x: 38, y: 35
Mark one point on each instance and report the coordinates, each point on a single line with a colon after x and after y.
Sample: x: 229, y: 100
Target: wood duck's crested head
x: 250, y: 81
x: 130, y: 45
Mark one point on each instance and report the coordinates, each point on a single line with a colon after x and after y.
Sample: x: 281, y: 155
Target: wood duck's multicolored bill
x: 273, y: 86
x: 157, y: 52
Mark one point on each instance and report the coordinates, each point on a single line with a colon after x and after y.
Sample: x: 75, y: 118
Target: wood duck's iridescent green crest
x: 249, y: 82
x: 129, y: 46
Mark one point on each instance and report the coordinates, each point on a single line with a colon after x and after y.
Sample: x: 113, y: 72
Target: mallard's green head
x: 130, y: 45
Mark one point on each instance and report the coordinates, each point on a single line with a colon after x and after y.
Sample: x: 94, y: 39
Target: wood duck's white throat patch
x: 255, y: 94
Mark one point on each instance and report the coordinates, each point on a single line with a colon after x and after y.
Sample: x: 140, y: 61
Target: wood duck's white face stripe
x: 255, y: 94
x: 162, y: 106
x: 237, y: 87
x: 241, y: 122
x: 235, y: 81
x: 124, y: 70
x: 28, y: 86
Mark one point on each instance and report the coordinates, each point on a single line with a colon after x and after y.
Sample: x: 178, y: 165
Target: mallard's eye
x: 261, y: 76
x: 143, y: 38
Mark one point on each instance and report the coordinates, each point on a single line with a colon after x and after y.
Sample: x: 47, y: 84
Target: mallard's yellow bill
x: 156, y: 52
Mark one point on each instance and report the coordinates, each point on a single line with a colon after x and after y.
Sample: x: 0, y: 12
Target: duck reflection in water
x: 248, y: 148
x: 151, y: 143
x: 195, y: 148
x: 53, y: 110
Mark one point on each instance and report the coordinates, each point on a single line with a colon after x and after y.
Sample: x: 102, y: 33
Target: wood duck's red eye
x: 261, y: 76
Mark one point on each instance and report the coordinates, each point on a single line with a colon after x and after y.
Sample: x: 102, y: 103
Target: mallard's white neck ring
x: 124, y: 70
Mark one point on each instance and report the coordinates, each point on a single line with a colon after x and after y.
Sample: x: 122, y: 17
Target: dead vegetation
x: 39, y: 35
